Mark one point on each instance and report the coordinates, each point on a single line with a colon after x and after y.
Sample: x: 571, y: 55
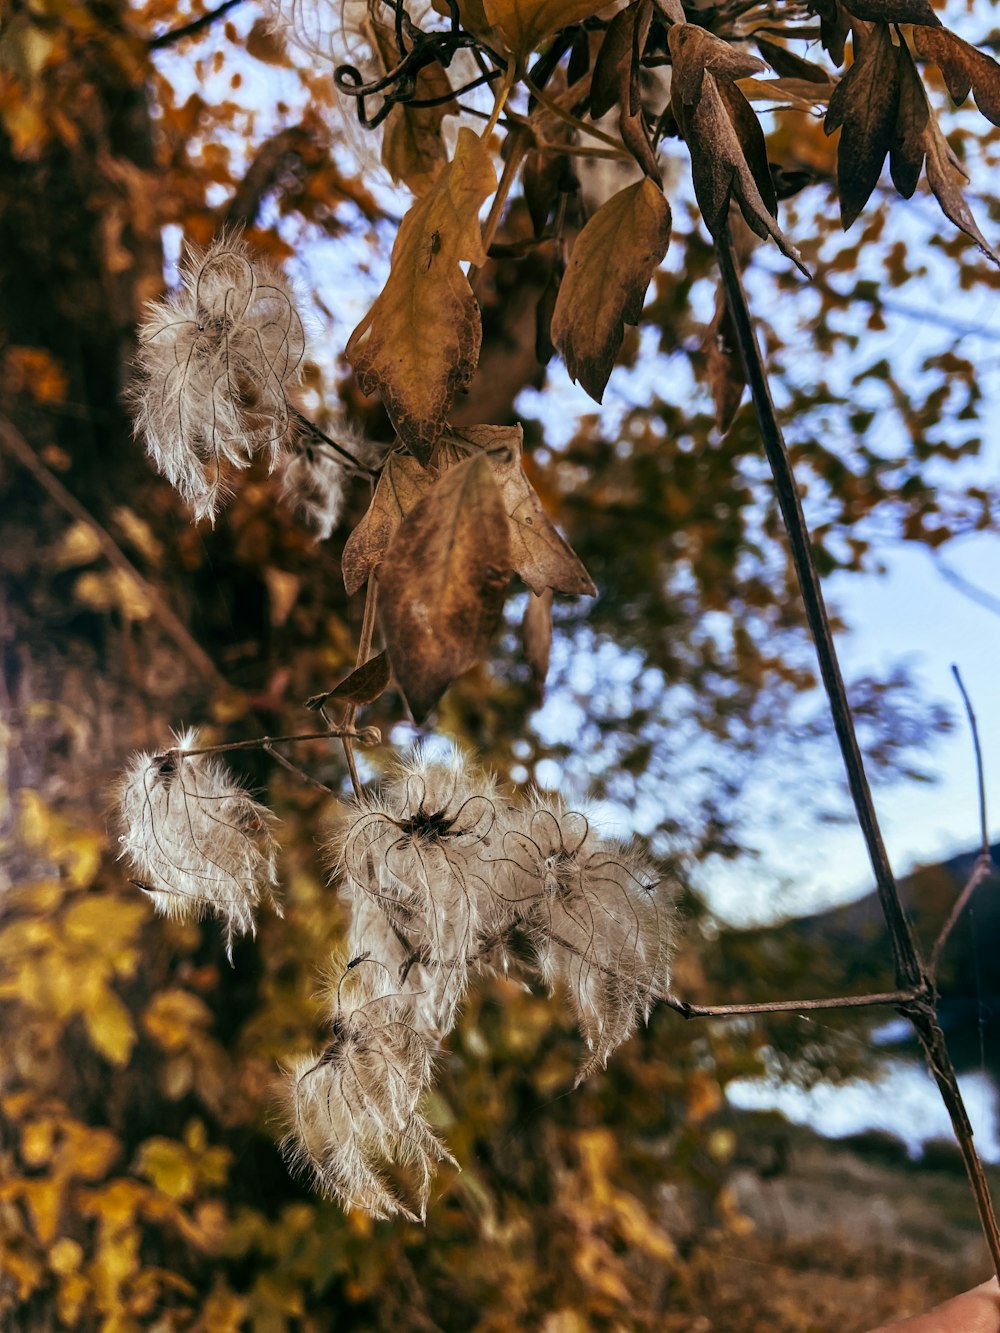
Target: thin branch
x: 298, y: 772
x: 911, y: 975
x: 367, y: 736
x: 15, y: 443
x: 984, y: 837
x: 193, y: 28
x: 909, y: 970
x: 786, y: 1006
x: 967, y: 588
x: 364, y: 652
x: 984, y: 866
x: 340, y: 449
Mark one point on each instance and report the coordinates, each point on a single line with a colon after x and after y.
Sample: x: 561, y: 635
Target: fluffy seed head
x: 352, y: 1110
x: 600, y: 918
x: 423, y: 852
x: 215, y: 363
x: 198, y: 843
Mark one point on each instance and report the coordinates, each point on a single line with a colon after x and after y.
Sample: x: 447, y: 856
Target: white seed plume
x: 352, y: 1110
x: 216, y: 361
x: 312, y: 483
x: 424, y: 853
x: 601, y: 922
x: 198, y: 843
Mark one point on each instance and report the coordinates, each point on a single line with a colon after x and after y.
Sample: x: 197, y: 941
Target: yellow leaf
x: 609, y: 270
x: 78, y: 546
x: 43, y: 1199
x: 86, y: 1152
x: 37, y: 1142
x: 113, y: 590
x: 66, y: 1255
x: 525, y: 23
x: 168, y: 1165
x: 173, y: 1017
x: 419, y: 343
x: 42, y: 830
x: 106, y: 924
x: 109, y: 1027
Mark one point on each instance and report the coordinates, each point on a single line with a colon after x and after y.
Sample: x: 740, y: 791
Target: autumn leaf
x: 965, y: 68
x: 419, y: 343
x: 908, y: 148
x: 536, y: 635
x: 364, y: 684
x: 605, y: 284
x: 443, y: 582
x: 721, y: 150
x: 538, y: 554
x: 412, y: 145
x: 402, y: 483
x: 945, y: 176
x: 723, y: 365
x: 524, y: 23
x: 864, y: 104
x: 893, y: 11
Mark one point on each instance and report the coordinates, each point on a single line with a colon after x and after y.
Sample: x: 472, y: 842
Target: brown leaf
x: 945, y: 176
x: 789, y: 65
x: 613, y: 65
x: 443, y: 582
x: 834, y: 28
x: 964, y: 68
x: 266, y: 45
x: 536, y: 635
x: 893, y: 11
x: 719, y: 135
x: 609, y: 270
x: 864, y: 103
x: 906, y: 155
x: 412, y: 146
x: 402, y: 484
x: 364, y: 684
x: 524, y: 23
x: 419, y: 343
x: 538, y: 553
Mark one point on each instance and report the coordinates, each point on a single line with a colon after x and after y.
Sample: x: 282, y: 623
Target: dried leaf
x: 964, y: 68
x: 536, y: 635
x: 944, y: 176
x: 609, y: 270
x: 906, y: 155
x: 719, y: 135
x: 401, y: 485
x: 539, y: 555
x: 789, y: 65
x: 614, y: 62
x: 412, y: 146
x: 865, y: 103
x: 419, y: 343
x: 443, y: 582
x: 524, y: 23
x: 364, y: 684
x: 834, y: 27
x: 894, y: 11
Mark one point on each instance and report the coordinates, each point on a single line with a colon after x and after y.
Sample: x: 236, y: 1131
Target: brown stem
x: 984, y: 837
x: 909, y: 969
x: 15, y: 443
x: 367, y: 736
x: 298, y: 772
x: 364, y: 651
x: 786, y: 1006
x: 344, y: 453
x: 193, y: 28
x: 911, y: 975
x: 518, y: 142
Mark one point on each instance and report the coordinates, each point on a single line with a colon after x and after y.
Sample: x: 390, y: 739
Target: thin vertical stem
x: 909, y: 969
x: 364, y: 651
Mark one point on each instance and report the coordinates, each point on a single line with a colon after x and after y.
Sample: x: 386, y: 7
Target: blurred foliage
x: 140, y: 1184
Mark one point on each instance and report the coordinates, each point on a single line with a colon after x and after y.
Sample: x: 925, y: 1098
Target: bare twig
x: 911, y: 974
x: 337, y: 448
x: 367, y: 736
x: 298, y: 772
x: 193, y: 28
x: 786, y: 1006
x: 364, y: 652
x: 16, y: 445
x: 984, y: 866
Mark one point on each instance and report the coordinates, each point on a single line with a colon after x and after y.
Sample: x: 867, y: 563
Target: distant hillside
x: 846, y: 951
